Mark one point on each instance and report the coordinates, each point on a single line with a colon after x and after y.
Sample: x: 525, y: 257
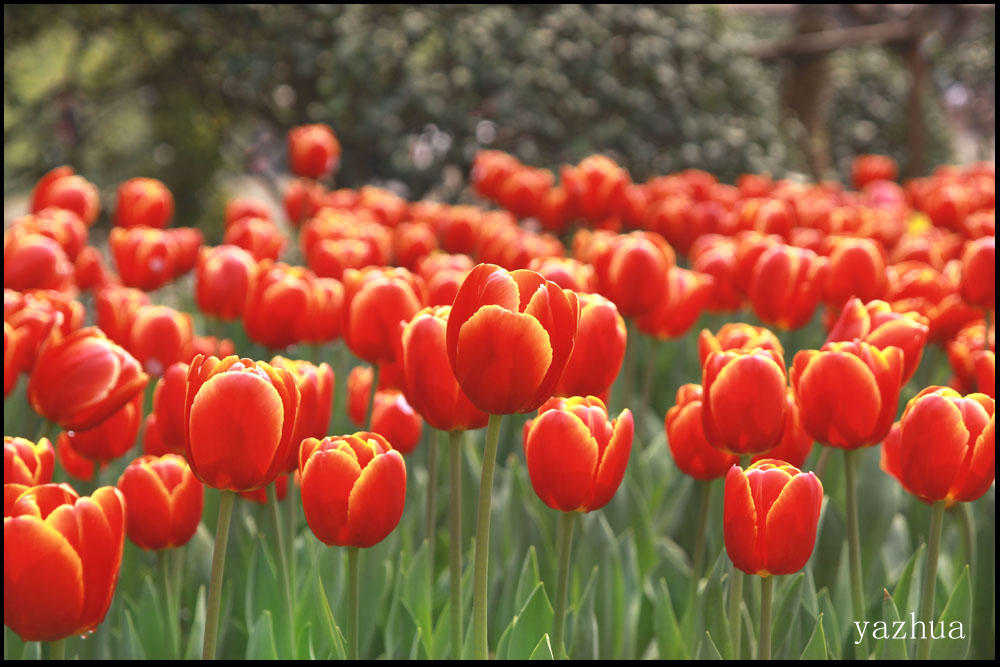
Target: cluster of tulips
x: 461, y: 316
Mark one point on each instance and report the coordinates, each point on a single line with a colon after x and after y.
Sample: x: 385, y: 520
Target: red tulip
x: 716, y: 256
x: 144, y: 256
x: 795, y: 444
x: 27, y: 463
x: 223, y: 279
x: 116, y: 308
x: 376, y: 300
x: 848, y: 392
x: 238, y: 208
x: 111, y: 438
x: 90, y: 270
x: 688, y: 295
x: 160, y: 337
x: 326, y: 311
x: 686, y: 438
x: 947, y: 446
x: 82, y: 379
x: 353, y: 488
x: 165, y: 425
x: 566, y: 272
x: 510, y: 336
x: 33, y: 261
x: 632, y: 272
x: 313, y: 150
x: 240, y: 416
x: 77, y: 467
x: 979, y: 269
x: 598, y: 351
x: 857, y: 269
x: 61, y: 557
x: 302, y: 199
x: 144, y: 202
x: 61, y: 225
x: 744, y: 405
x: 770, y: 517
x: 430, y: 384
x: 786, y: 286
x: 315, y: 385
x: 33, y: 315
x: 189, y: 241
x: 737, y: 336
x: 443, y: 275
x: 868, y: 168
x: 12, y: 364
x: 164, y: 501
x: 412, y: 242
x: 260, y: 237
x: 277, y: 307
x: 63, y: 188
x: 576, y: 455
x: 877, y: 324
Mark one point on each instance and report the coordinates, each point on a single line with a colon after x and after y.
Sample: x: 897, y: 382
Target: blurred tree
x: 183, y: 92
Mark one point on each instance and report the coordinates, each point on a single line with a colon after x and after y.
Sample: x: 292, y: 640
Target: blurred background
x: 201, y: 97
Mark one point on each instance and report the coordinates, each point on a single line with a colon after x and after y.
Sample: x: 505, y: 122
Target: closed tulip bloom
x: 34, y: 314
x: 260, y: 237
x: 688, y: 295
x: 110, y: 439
x: 632, y: 272
x: 979, y: 268
x: 786, y: 286
x: 412, y: 241
x: 510, y: 336
x: 718, y: 257
x: 795, y: 444
x: 770, y: 516
x: 164, y: 501
x: 238, y: 208
x: 962, y: 352
x: 947, y: 446
x: 61, y: 225
x: 443, y: 275
x: 326, y: 311
x: 353, y: 488
x: 598, y: 351
x: 168, y: 407
x: 313, y: 150
x: 857, y: 269
x: 116, y: 308
x: 33, y: 261
x: 277, y: 306
x: 848, y: 392
x: 737, y: 336
x: 315, y: 385
x: 160, y: 337
x: 302, y: 199
x: 27, y: 463
x: 331, y: 257
x: 686, y: 438
x: 396, y: 420
x: 877, y: 324
x: 223, y: 279
x: 82, y: 379
x: 430, y: 384
x: 240, y: 417
x: 144, y: 201
x: 11, y: 358
x: 986, y: 372
x: 566, y: 272
x: 576, y: 455
x: 145, y: 257
x: 189, y: 242
x: 64, y: 188
x: 376, y: 300
x: 90, y: 270
x: 744, y: 401
x: 61, y: 557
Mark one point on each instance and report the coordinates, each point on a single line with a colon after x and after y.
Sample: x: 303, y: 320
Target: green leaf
x: 834, y: 642
x: 130, y: 640
x: 668, y: 632
x: 544, y: 649
x: 890, y: 648
x: 152, y: 625
x: 528, y: 579
x: 716, y: 613
x: 196, y: 638
x: 816, y: 646
x: 785, y: 620
x: 534, y: 620
x: 904, y: 587
x: 260, y: 645
x: 333, y: 634
x: 417, y: 597
x: 956, y: 620
x: 711, y: 650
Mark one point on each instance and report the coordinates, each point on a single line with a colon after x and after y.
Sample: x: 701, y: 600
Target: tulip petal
x: 740, y: 523
x: 562, y: 458
x: 935, y: 442
x: 327, y: 479
x: 501, y: 360
x: 376, y: 501
x: 42, y: 581
x: 790, y: 532
x: 611, y: 470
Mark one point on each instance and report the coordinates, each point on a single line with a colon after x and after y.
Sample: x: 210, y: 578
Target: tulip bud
x: 690, y: 449
x: 164, y: 501
x: 598, y: 349
x: 63, y: 188
x: 223, y: 279
x: 744, y: 403
x: 144, y: 202
x: 313, y: 150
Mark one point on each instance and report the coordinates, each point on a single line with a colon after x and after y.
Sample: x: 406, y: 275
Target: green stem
x: 279, y: 536
x: 455, y: 543
x: 57, y: 650
x: 292, y: 533
x: 354, y: 601
x: 371, y: 398
x: 429, y: 513
x: 628, y: 380
x: 565, y: 548
x: 226, y: 500
x: 163, y: 558
x: 648, y: 380
x: 699, y: 538
x: 854, y: 542
x: 930, y: 578
x: 766, y: 591
x: 482, y: 558
x: 177, y: 581
x: 967, y: 529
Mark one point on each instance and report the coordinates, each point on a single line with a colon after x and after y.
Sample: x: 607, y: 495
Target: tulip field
x: 574, y: 416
